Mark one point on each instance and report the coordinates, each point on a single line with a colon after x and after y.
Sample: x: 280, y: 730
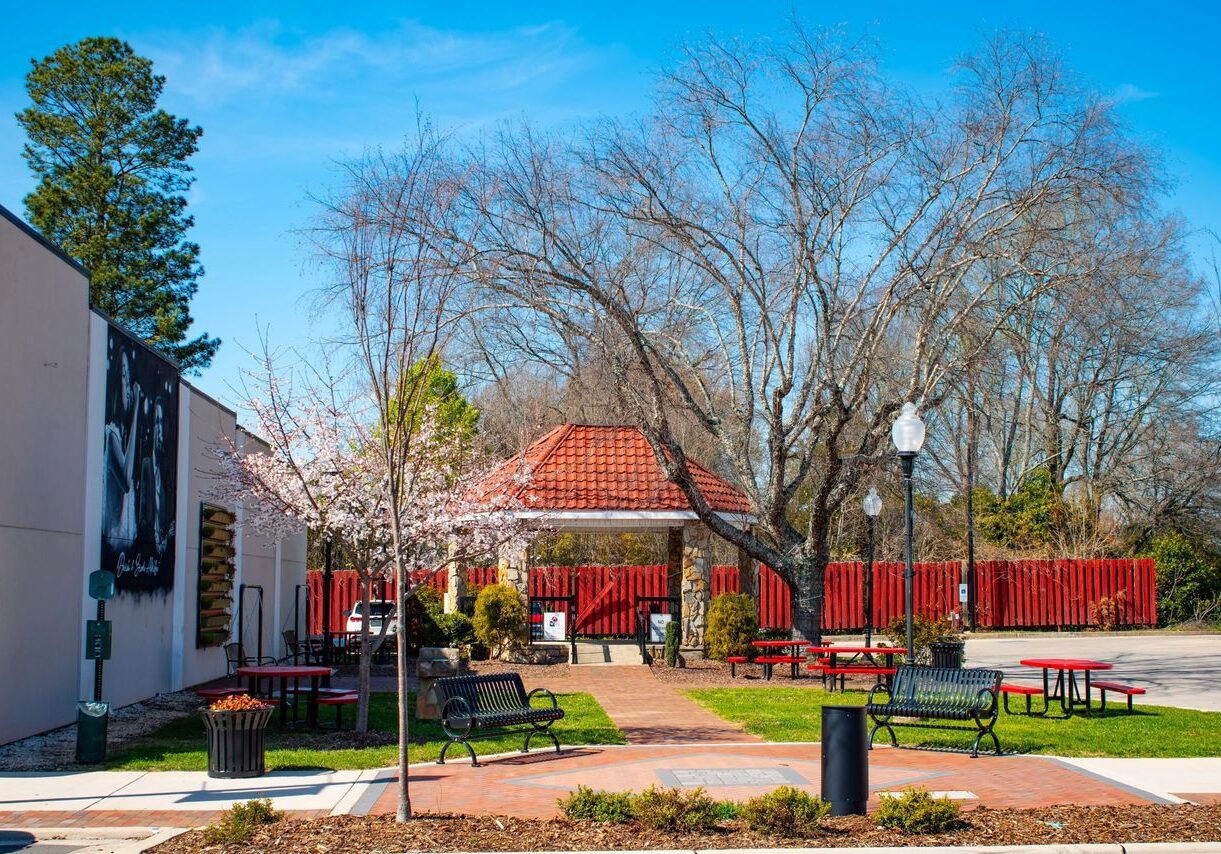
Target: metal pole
x: 869, y: 585
x: 908, y: 459
x: 97, y: 665
x: 971, y: 517
x: 297, y: 622
x: 259, y: 659
x: 327, y: 580
x: 241, y: 624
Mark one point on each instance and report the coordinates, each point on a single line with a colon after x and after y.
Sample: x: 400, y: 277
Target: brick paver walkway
x: 528, y: 786
x: 646, y: 710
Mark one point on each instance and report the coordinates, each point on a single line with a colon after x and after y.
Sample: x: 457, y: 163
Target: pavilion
x: 597, y: 478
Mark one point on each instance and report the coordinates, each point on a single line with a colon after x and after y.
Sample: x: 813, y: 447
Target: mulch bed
x: 982, y: 826
x: 56, y: 750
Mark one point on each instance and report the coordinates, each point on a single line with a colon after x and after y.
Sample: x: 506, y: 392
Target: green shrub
x: 585, y: 804
x: 916, y: 811
x: 676, y: 810
x: 424, y: 610
x: 239, y: 822
x: 673, y: 638
x: 500, y: 618
x: 1188, y: 579
x: 733, y: 622
x: 457, y: 628
x: 787, y: 811
x: 925, y: 632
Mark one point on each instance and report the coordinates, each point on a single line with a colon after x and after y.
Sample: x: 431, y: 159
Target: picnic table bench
x: 1127, y: 690
x: 938, y: 693
x: 492, y: 702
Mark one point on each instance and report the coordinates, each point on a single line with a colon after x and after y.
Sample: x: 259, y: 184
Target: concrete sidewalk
x: 169, y: 798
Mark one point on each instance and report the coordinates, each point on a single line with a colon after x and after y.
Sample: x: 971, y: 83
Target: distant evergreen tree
x: 112, y: 169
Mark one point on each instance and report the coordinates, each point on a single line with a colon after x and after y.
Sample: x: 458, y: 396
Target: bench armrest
x: 989, y: 694
x: 456, y: 707
x: 875, y: 689
x: 530, y: 697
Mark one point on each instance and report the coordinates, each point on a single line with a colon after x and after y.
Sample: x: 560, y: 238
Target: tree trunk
x: 366, y: 657
x: 404, y: 807
x: 807, y: 580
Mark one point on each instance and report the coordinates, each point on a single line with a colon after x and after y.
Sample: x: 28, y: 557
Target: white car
x: 379, y: 609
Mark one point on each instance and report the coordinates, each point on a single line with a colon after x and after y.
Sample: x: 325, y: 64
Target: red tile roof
x: 593, y: 467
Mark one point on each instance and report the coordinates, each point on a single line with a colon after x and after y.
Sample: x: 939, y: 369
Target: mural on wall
x: 140, y: 474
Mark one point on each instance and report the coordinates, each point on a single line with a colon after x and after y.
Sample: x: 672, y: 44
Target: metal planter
x: 235, y: 742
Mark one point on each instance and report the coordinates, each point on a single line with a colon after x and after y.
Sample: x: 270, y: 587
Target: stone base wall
x: 434, y: 663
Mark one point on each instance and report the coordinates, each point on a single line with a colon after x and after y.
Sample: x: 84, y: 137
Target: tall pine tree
x: 112, y: 170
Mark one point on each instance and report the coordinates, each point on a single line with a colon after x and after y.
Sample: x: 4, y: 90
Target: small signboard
x: 962, y: 593
x: 555, y: 625
x: 101, y: 585
x: 97, y: 640
x: 657, y: 627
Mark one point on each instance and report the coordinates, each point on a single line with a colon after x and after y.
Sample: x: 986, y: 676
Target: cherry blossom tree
x: 358, y: 451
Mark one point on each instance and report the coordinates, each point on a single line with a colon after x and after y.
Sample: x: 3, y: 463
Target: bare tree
x: 788, y: 249
x: 395, y: 305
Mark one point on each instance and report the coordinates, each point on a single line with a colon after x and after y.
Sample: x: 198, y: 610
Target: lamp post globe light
x: 873, y: 506
x: 908, y: 437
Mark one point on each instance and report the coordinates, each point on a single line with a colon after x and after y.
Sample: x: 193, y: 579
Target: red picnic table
x: 284, y: 672
x: 1065, y: 689
x: 793, y: 658
x: 833, y: 667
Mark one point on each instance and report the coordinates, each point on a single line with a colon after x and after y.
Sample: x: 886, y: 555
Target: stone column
x: 674, y: 562
x: 513, y: 568
x: 696, y: 588
x: 455, y: 587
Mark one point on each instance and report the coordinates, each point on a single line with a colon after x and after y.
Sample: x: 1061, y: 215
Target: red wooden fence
x: 1037, y: 594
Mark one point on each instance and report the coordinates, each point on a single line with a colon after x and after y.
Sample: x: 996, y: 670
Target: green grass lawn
x: 181, y: 745
x: 793, y: 714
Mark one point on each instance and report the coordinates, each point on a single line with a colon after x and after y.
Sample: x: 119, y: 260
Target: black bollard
x: 845, y: 759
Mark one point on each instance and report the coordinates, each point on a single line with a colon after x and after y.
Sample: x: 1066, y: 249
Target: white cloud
x: 270, y: 61
x: 1128, y: 92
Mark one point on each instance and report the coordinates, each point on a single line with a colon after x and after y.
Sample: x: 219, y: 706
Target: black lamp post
x: 873, y: 506
x: 908, y: 436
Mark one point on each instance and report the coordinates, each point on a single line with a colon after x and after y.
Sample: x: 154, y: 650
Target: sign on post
x: 97, y: 640
x: 555, y: 625
x: 657, y: 627
x: 101, y: 585
x: 962, y: 593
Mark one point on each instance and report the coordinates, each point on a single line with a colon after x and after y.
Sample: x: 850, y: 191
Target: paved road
x: 1177, y: 670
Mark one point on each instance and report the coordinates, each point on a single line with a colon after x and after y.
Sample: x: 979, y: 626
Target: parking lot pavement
x: 1182, y: 670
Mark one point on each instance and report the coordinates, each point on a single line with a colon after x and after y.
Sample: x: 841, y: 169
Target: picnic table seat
x: 1119, y: 688
x: 338, y: 701
x: 212, y: 694
x: 845, y: 670
x: 920, y: 694
x: 769, y: 661
x: 492, y: 701
x: 734, y: 661
x: 1027, y: 691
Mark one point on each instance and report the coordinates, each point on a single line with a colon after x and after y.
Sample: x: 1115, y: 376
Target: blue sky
x: 282, y: 93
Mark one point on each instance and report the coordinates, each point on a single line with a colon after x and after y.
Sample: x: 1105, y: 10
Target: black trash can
x: 947, y: 652
x: 845, y: 759
x: 235, y: 742
x: 92, y: 720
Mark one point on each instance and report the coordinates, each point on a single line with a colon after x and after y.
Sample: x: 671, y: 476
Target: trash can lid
x: 93, y: 709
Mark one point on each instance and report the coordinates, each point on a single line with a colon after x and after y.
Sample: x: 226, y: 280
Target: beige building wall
x: 52, y: 390
x: 44, y: 330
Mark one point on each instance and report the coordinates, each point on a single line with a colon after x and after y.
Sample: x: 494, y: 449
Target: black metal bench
x: 493, y: 702
x: 938, y: 693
